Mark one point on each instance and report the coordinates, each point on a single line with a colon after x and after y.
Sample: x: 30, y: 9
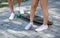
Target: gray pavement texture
x: 15, y: 28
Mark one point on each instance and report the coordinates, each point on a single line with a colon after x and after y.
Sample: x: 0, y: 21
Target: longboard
x: 37, y: 19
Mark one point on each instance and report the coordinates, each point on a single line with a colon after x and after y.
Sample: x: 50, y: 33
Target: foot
x: 41, y: 28
x: 12, y: 16
x: 21, y: 11
x: 28, y: 26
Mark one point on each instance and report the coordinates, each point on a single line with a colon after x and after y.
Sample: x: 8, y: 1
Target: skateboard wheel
x: 50, y: 22
x: 17, y: 16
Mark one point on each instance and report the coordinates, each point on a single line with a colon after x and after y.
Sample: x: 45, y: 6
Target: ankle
x: 45, y: 24
x: 31, y: 22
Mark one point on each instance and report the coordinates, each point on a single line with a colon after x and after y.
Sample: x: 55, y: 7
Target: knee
x: 34, y: 5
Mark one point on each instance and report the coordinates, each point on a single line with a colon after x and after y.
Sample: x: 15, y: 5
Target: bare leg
x: 33, y: 9
x: 19, y: 2
x: 11, y: 5
x: 44, y: 6
x: 12, y: 9
x: 32, y: 13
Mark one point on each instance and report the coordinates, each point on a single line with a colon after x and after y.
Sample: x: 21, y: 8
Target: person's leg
x: 12, y: 9
x: 11, y: 5
x: 33, y: 9
x: 19, y: 3
x: 32, y: 13
x: 44, y: 6
x: 20, y: 9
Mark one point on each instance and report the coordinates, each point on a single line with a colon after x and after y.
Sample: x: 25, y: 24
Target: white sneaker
x: 41, y: 28
x: 21, y: 11
x: 28, y: 26
x: 12, y: 16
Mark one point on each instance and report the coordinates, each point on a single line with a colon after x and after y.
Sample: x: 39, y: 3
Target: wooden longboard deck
x: 37, y: 19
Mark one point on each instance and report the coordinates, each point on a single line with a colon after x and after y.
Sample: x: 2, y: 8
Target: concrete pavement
x: 15, y: 28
